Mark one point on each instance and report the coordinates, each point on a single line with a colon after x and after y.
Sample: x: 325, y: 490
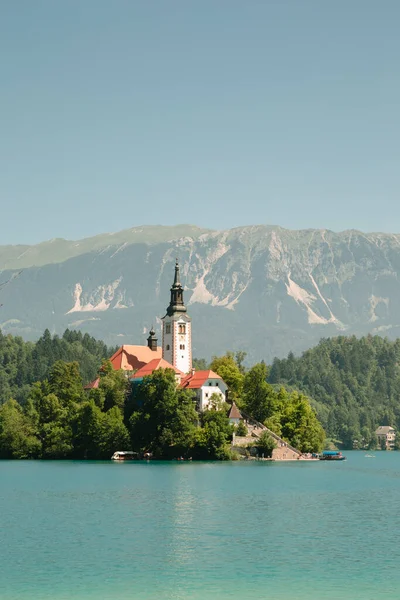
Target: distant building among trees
x: 386, y: 437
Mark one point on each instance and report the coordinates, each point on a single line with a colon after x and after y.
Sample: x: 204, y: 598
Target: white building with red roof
x: 205, y: 384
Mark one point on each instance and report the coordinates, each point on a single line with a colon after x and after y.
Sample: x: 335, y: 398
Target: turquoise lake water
x: 201, y: 531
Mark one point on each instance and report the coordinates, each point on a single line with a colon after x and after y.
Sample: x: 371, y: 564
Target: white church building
x: 175, y: 353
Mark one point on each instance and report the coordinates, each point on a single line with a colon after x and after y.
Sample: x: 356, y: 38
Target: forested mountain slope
x: 22, y: 363
x: 354, y: 383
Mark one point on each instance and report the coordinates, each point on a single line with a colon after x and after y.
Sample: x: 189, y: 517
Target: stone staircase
x: 283, y: 451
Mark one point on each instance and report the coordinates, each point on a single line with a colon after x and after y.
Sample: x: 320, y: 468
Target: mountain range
x: 262, y: 289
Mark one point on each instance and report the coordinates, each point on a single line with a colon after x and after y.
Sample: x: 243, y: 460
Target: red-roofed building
x: 175, y: 353
x: 235, y: 416
x: 154, y: 365
x: 93, y: 385
x: 131, y: 358
x: 205, y: 384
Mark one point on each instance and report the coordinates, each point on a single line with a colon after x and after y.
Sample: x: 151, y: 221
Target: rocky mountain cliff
x: 262, y: 289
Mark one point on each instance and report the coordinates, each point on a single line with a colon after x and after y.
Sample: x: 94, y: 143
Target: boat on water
x: 370, y: 456
x: 124, y: 455
x: 332, y: 455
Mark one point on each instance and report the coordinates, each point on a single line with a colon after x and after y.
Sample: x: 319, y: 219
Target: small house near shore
x: 235, y: 416
x: 386, y: 436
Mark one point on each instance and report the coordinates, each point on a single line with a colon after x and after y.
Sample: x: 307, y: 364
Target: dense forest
x: 23, y: 363
x: 354, y: 385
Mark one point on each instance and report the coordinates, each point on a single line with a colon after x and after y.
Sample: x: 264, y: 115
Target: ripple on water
x: 200, y: 531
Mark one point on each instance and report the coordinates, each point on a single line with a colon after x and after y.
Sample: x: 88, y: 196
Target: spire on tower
x: 176, y: 304
x: 177, y: 278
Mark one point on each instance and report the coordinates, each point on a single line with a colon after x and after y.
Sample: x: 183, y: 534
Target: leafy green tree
x: 66, y: 382
x: 265, y: 444
x: 199, y: 364
x: 213, y: 438
x: 17, y: 434
x: 88, y: 431
x: 52, y: 423
x: 115, y: 435
x: 259, y: 398
x: 240, y: 357
x: 217, y: 403
x: 241, y: 429
x: 228, y: 369
x: 56, y: 440
x: 113, y: 387
x: 98, y: 434
x: 165, y: 418
x: 299, y: 424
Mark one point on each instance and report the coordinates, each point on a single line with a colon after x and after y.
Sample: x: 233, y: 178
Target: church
x: 175, y: 353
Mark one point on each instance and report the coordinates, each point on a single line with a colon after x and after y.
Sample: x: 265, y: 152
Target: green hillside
x: 354, y: 384
x: 23, y: 363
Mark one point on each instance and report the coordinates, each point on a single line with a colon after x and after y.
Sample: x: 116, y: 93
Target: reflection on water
x: 200, y: 531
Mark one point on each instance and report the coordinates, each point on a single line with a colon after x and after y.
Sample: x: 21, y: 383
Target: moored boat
x: 332, y: 455
x: 124, y: 455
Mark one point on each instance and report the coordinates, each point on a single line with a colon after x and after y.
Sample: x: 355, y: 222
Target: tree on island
x: 165, y: 419
x: 265, y: 444
x: 17, y: 433
x: 227, y: 368
x: 259, y: 397
x: 288, y: 414
x: 241, y: 429
x: 214, y: 436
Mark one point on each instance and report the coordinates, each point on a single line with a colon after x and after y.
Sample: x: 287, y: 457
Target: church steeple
x: 177, y: 329
x: 176, y: 304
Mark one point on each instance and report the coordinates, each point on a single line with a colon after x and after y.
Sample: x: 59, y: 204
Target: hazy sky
x: 115, y: 113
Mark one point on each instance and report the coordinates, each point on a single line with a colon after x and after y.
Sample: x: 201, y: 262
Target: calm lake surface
x: 194, y: 531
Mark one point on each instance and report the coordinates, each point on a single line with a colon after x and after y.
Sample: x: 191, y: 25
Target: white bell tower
x: 177, y: 329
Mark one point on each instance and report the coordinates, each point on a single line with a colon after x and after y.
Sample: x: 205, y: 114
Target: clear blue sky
x: 116, y: 113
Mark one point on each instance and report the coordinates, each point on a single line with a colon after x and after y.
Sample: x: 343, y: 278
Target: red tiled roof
x: 198, y: 379
x: 153, y: 365
x: 92, y: 385
x: 130, y: 358
x: 235, y: 413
